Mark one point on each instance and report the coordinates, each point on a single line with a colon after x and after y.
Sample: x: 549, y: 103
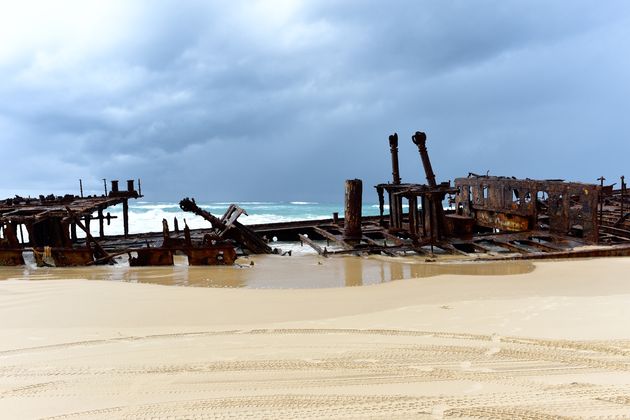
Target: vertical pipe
x: 430, y: 211
x: 423, y: 204
x: 393, y: 147
x: 395, y: 208
x: 126, y: 217
x: 353, y: 201
x: 381, y: 204
x: 101, y: 228
x: 420, y: 140
x: 81, y: 187
x: 139, y: 188
x: 392, y: 207
x: 105, y: 186
x: 413, y: 217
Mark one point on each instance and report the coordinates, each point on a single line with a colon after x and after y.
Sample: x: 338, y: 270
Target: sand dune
x: 551, y: 343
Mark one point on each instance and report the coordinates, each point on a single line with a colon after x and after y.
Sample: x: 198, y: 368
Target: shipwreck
x: 478, y: 217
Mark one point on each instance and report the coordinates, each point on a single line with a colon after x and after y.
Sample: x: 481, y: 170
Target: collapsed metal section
x: 504, y: 215
x: 51, y: 224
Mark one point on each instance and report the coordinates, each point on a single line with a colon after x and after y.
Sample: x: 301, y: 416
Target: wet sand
x: 543, y: 343
x: 273, y: 272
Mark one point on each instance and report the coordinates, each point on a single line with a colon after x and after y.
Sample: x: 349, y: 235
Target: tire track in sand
x: 347, y: 373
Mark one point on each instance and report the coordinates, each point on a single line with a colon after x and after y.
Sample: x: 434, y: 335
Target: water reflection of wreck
x: 489, y: 217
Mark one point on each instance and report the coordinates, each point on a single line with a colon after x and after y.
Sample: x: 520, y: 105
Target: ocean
x: 146, y: 216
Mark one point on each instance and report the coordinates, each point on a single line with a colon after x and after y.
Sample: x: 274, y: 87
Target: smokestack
x: 420, y: 140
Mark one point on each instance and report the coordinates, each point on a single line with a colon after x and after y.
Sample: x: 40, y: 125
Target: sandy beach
x: 552, y: 341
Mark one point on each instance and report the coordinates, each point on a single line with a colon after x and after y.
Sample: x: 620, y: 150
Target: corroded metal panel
x: 72, y: 257
x: 503, y: 221
x: 151, y: 256
x: 215, y: 255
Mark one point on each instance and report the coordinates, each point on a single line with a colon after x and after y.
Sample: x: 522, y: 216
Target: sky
x: 282, y: 100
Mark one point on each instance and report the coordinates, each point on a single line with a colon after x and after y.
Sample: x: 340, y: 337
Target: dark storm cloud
x: 282, y: 100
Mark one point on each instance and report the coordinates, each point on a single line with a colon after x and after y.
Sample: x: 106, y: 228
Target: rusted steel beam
x: 616, y: 231
x: 507, y: 245
x: 623, y: 194
x: 101, y: 225
x: 381, y: 203
x: 334, y: 238
x: 450, y: 248
x: 353, y: 202
x: 484, y: 249
x: 413, y: 217
x: 309, y: 242
x: 537, y: 245
x: 73, y: 232
x: 390, y: 250
x: 601, y: 251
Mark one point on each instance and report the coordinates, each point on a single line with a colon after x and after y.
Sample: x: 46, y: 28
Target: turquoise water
x: 146, y: 216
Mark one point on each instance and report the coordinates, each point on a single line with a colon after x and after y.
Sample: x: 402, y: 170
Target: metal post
x: 81, y: 187
x: 101, y: 228
x: 413, y: 217
x: 73, y: 232
x: 393, y: 146
x: 623, y: 193
x: 126, y: 217
x: 601, y: 180
x: 105, y: 186
x: 353, y: 201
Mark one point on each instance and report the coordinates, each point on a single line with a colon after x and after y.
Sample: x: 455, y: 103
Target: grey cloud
x: 221, y: 101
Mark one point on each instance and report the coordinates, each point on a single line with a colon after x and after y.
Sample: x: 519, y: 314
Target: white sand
x: 553, y: 342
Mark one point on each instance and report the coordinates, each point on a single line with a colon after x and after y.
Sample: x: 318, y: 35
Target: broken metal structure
x: 497, y: 217
x: 51, y: 225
